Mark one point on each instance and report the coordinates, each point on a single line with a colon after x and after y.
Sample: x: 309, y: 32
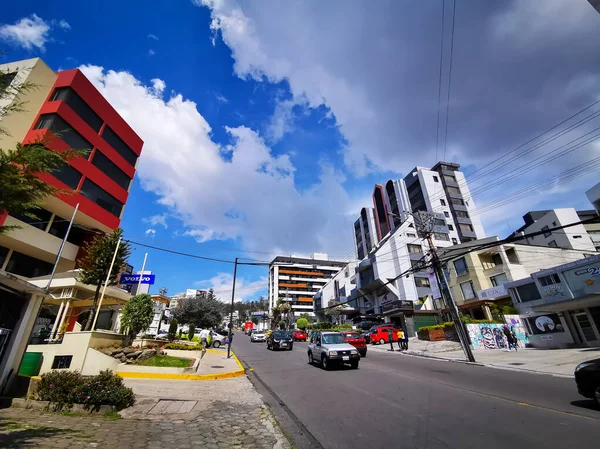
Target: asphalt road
x: 401, y: 401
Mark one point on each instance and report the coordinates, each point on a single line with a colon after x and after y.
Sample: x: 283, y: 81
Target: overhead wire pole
x: 231, y: 310
x: 112, y: 263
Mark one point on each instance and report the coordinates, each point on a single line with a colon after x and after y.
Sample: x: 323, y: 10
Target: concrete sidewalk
x: 557, y: 362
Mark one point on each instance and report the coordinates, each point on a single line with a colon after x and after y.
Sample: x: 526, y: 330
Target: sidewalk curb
x: 216, y: 376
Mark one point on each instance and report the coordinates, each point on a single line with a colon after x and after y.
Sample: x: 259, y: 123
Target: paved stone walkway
x: 155, y: 423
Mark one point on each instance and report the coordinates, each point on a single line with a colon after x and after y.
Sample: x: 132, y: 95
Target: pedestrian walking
x: 209, y: 339
x: 515, y: 339
x: 391, y: 339
x: 400, y: 335
x: 405, y: 341
x: 509, y: 337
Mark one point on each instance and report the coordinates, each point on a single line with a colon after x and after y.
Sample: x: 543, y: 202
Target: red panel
x: 3, y: 216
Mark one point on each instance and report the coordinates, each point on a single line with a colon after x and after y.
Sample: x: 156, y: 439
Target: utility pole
x: 231, y: 310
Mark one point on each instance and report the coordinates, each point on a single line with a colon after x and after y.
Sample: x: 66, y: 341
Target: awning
x: 568, y: 304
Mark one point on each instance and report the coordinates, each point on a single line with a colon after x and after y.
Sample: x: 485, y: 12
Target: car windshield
x: 352, y: 335
x: 333, y: 339
x: 281, y: 334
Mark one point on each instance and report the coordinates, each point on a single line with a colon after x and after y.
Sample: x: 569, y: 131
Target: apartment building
x: 340, y: 288
x: 593, y: 195
x: 477, y: 278
x: 295, y: 280
x: 573, y: 237
x: 440, y: 190
x: 592, y: 229
x: 67, y: 111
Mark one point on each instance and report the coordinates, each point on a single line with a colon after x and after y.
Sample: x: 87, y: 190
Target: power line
x: 437, y: 129
x: 449, y: 77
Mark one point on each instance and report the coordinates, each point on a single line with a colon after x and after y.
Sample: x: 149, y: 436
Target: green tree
x: 255, y: 319
x: 172, y: 329
x: 334, y: 309
x: 191, y: 331
x: 203, y: 312
x: 302, y: 323
x: 308, y: 318
x: 95, y: 265
x: 137, y: 315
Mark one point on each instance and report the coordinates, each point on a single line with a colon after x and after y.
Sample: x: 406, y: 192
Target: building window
x: 121, y: 147
x: 554, y: 223
x: 40, y: 221
x: 440, y: 236
x: 3, y: 254
x: 68, y: 175
x: 27, y: 266
x: 79, y: 106
x: 546, y: 231
x: 435, y: 179
x: 109, y: 168
x: 64, y: 131
x: 454, y: 241
x: 460, y: 265
x: 499, y: 280
x: 449, y: 178
x: 62, y: 361
x: 443, y: 202
x: 576, y: 236
x: 552, y: 243
x: 446, y: 214
x: 102, y: 198
x: 415, y: 249
x: 511, y: 255
x: 457, y: 201
x: 528, y: 292
x: 465, y: 227
x: 455, y: 190
x: 549, y: 280
x: 422, y: 282
x: 497, y: 259
x: 59, y: 226
x: 467, y: 290
x: 408, y: 234
x: 461, y: 214
x: 450, y: 227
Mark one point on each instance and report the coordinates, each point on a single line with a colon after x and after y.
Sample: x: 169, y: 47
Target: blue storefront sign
x: 135, y: 279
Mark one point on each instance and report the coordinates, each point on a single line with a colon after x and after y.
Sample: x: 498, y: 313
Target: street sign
x: 127, y: 279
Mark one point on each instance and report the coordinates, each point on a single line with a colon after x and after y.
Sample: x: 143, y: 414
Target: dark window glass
x: 436, y: 179
x: 6, y: 79
x: 446, y: 214
x: 63, y: 130
x: 3, y: 253
x: 62, y: 361
x: 443, y: 202
x: 549, y: 280
x: 102, y: 198
x: 450, y: 227
x: 441, y: 236
x: 381, y: 212
x: 465, y: 227
x: 422, y: 282
x: 111, y: 170
x: 546, y: 232
x: 452, y: 190
x: 68, y: 175
x: 454, y: 241
x: 461, y: 214
x: 59, y: 227
x: 457, y: 201
x: 27, y: 266
x: 79, y: 106
x: 414, y: 249
x: 40, y: 221
x: 461, y: 266
x: 121, y: 147
x: 497, y: 259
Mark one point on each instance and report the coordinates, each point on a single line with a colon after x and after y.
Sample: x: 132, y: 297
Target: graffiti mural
x: 491, y: 336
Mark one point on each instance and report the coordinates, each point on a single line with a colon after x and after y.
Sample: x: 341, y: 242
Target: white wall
x: 470, y: 203
x: 574, y: 237
x: 593, y: 195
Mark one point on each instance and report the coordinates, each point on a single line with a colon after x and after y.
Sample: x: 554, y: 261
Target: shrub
x: 172, y: 330
x: 183, y: 347
x: 301, y: 323
x: 65, y: 388
x: 191, y: 332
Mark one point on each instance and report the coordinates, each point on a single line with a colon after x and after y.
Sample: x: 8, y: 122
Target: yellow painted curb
x: 237, y: 361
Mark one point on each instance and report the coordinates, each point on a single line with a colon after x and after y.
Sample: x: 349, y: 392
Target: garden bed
x: 167, y: 361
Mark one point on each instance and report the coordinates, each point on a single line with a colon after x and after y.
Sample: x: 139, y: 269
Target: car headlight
x: 583, y: 365
x: 276, y: 341
x: 332, y: 352
x: 354, y: 351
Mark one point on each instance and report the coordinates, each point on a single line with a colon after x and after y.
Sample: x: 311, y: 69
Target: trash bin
x: 32, y: 364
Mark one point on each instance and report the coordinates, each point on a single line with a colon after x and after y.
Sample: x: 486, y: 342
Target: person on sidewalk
x: 400, y: 335
x: 209, y: 339
x: 509, y: 337
x: 405, y: 341
x: 203, y: 335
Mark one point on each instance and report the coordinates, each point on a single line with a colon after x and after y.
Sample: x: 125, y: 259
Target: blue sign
x: 135, y: 279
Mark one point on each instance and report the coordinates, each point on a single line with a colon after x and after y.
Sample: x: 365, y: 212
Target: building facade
x: 440, y: 190
x: 340, y: 288
x: 592, y: 229
x: 295, y: 280
x: 477, y: 278
x: 573, y: 237
x: 560, y: 306
x: 65, y: 111
x: 593, y: 195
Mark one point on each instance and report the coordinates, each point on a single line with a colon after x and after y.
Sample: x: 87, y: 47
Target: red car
x: 380, y: 335
x: 358, y: 341
x: 299, y: 335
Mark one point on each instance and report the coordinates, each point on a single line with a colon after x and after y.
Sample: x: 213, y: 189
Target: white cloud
x: 152, y: 36
x: 151, y: 52
x: 222, y: 285
x: 150, y: 233
x: 64, y: 25
x: 248, y: 195
x: 155, y: 220
x: 222, y: 99
x: 28, y: 32
x: 282, y: 120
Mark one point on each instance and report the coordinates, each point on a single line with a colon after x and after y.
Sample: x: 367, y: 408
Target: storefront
x: 400, y: 313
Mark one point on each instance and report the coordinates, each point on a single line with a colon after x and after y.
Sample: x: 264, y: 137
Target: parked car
x: 280, y: 340
x: 223, y: 332
x: 587, y: 377
x: 331, y: 348
x: 357, y: 340
x: 217, y: 339
x: 299, y: 335
x: 258, y: 336
x: 380, y: 335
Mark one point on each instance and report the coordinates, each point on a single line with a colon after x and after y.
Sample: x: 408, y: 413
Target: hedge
x: 183, y: 347
x: 450, y: 324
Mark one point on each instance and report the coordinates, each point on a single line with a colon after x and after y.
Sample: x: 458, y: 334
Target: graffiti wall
x: 491, y: 336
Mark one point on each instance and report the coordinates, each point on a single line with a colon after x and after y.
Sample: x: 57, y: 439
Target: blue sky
x: 266, y: 126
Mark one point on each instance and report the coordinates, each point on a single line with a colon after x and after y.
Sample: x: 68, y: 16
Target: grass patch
x: 167, y: 361
x: 111, y: 416
x: 13, y: 426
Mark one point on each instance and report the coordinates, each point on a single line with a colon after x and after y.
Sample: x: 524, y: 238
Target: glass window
x: 408, y: 234
x: 443, y: 202
x: 497, y: 259
x: 117, y: 143
x: 457, y: 201
x: 436, y: 179
x: 59, y: 227
x: 450, y: 227
x: 465, y: 227
x: 415, y: 249
x: 79, y: 106
x: 549, y: 280
x: 101, y: 197
x: 62, y: 129
x: 27, y: 266
x: 68, y: 175
x: 460, y: 265
x: 441, y: 236
x: 62, y: 361
x: 110, y: 169
x: 499, y: 280
x: 416, y: 265
x: 422, y: 282
x: 467, y: 290
x: 461, y: 214
x: 449, y: 178
x: 40, y: 221
x: 3, y: 254
x: 528, y: 292
x: 576, y: 236
x: 552, y: 243
x: 450, y: 189
x: 511, y: 254
x: 546, y: 232
x: 446, y: 214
